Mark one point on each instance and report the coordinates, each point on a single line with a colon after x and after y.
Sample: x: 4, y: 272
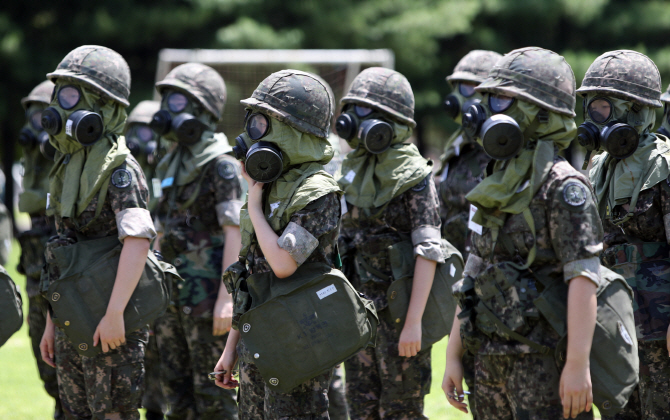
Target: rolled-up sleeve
x: 135, y: 222
x: 426, y: 241
x: 298, y: 242
x: 589, y: 268
x: 228, y: 212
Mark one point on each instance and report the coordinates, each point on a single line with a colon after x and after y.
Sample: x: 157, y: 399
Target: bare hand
x: 47, y: 343
x: 223, y: 316
x: 575, y: 388
x: 452, y: 385
x: 255, y: 190
x: 410, y: 340
x: 111, y: 332
x: 226, y: 363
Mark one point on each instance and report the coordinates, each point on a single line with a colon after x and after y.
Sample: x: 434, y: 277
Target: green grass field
x: 22, y: 396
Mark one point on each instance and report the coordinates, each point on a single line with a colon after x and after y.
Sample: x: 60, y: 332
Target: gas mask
x: 610, y: 128
x: 81, y: 125
x: 500, y: 134
x: 174, y: 123
x: 460, y: 100
x: 262, y: 160
x: 141, y: 140
x: 32, y: 134
x: 358, y: 127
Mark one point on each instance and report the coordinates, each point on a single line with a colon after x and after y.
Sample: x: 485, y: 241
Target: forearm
x: 157, y: 241
x: 455, y: 345
x: 131, y: 264
x: 233, y: 339
x: 281, y: 262
x: 424, y: 271
x: 582, y: 308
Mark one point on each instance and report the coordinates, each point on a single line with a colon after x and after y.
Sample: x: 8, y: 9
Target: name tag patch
x: 475, y: 227
x: 326, y: 291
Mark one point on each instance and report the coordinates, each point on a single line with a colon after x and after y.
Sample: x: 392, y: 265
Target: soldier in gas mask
x: 198, y: 223
x: 390, y: 197
x: 630, y: 177
x: 98, y: 196
x: 535, y: 214
x: 38, y: 156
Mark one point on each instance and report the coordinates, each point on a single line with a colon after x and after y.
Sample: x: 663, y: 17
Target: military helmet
x: 200, y: 82
x: 535, y: 75
x: 300, y: 99
x: 100, y: 68
x: 143, y: 112
x: 385, y: 90
x: 666, y: 96
x: 474, y: 67
x: 624, y: 74
x: 41, y: 93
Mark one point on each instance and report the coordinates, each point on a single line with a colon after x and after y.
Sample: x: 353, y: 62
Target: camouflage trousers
x: 153, y: 399
x: 108, y: 383
x: 651, y: 398
x: 519, y: 387
x: 37, y: 320
x: 383, y: 385
x: 337, y: 406
x: 188, y: 352
x: 308, y: 401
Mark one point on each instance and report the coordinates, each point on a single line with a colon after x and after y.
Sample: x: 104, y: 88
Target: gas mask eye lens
x: 362, y: 111
x: 177, y: 102
x: 466, y: 89
x: 144, y: 133
x: 257, y: 126
x: 500, y: 103
x: 600, y: 110
x: 36, y: 120
x: 68, y: 97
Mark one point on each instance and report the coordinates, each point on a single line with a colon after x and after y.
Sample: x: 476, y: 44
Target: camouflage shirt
x: 368, y: 235
x: 127, y: 191
x: 321, y: 219
x: 568, y: 239
x: 458, y: 176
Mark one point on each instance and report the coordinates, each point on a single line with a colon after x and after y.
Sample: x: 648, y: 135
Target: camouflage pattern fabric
x: 385, y: 90
x: 519, y: 387
x: 153, y: 399
x: 32, y: 244
x: 93, y: 387
x: 564, y: 233
x: 102, y: 69
x: 624, y: 74
x: 375, y: 390
x: 474, y: 66
x: 381, y: 384
x: 198, y: 81
x: 293, y: 97
x: 535, y: 75
x: 188, y: 352
x: 650, y: 400
x: 37, y: 307
x: 321, y: 219
x: 458, y: 176
x: 337, y: 407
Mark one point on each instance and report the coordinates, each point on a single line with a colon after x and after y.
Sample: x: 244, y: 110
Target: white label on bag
x: 350, y: 176
x: 475, y: 227
x: 326, y: 291
x: 343, y: 206
x: 48, y: 199
x: 452, y: 270
x: 158, y: 190
x: 624, y: 333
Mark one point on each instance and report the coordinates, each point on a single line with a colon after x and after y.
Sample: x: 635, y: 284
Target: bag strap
x: 371, y: 269
x: 481, y: 308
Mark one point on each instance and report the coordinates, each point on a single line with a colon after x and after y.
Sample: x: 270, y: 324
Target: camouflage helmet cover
x: 474, y: 67
x: 100, y: 68
x: 385, y: 90
x: 666, y: 96
x: 300, y: 99
x: 624, y: 74
x: 535, y: 75
x: 40, y: 93
x: 143, y: 112
x: 200, y: 82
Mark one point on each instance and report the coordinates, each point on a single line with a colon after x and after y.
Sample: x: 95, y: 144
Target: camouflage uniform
x: 193, y: 241
x: 321, y: 218
x: 380, y: 383
x: 511, y: 379
x: 32, y: 241
x: 153, y: 400
x: 638, y: 248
